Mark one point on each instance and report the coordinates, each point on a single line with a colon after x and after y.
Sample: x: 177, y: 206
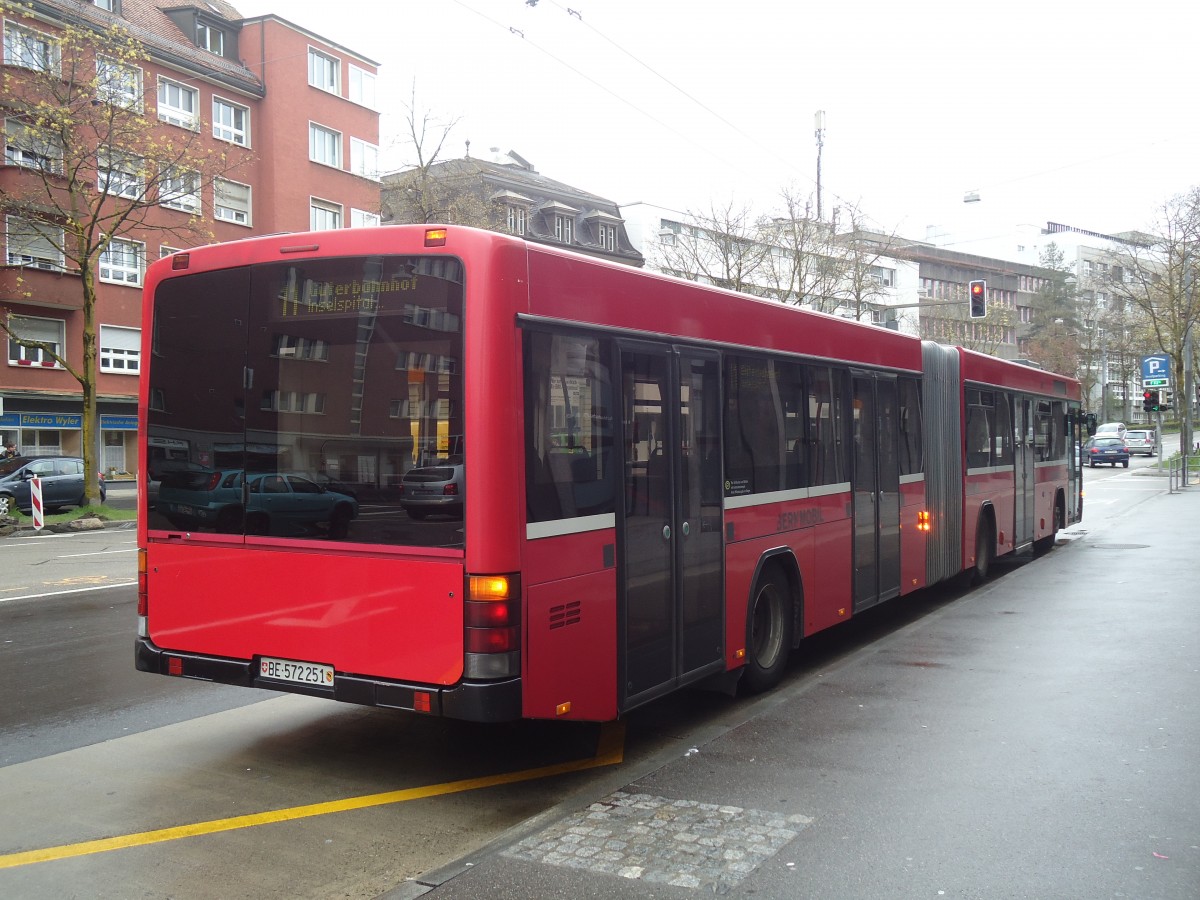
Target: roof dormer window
x: 210, y: 38
x: 210, y: 32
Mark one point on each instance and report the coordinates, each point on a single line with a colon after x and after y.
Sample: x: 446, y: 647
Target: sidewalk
x: 1036, y: 737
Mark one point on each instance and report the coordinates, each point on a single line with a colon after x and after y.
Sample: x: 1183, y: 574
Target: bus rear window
x: 290, y: 399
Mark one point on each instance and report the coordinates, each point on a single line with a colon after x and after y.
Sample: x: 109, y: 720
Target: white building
x: 864, y: 282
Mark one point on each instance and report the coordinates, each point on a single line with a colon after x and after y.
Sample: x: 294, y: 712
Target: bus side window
x: 569, y: 456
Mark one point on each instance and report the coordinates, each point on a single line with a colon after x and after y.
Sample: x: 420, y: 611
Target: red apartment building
x: 295, y: 111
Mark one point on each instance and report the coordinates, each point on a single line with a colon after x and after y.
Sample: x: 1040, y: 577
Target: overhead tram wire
x: 521, y: 34
x: 712, y: 112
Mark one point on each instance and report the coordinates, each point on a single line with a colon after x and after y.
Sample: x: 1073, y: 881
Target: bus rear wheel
x: 768, y: 631
x: 984, y: 551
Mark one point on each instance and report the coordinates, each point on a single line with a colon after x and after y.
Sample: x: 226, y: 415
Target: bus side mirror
x: 1090, y: 423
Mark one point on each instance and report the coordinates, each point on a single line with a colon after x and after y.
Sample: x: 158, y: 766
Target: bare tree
x: 1060, y: 338
x: 722, y: 247
x: 863, y: 282
x: 804, y: 268
x: 94, y: 167
x: 1157, y: 275
x: 431, y: 188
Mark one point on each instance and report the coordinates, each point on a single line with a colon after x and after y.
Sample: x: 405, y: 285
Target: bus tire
x: 768, y: 631
x: 984, y: 551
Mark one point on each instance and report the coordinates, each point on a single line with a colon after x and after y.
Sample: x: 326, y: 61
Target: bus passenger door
x: 876, y: 486
x: 670, y: 543
x: 1026, y: 482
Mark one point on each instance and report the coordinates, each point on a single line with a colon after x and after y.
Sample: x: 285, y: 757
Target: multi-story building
x: 509, y: 194
x: 293, y: 115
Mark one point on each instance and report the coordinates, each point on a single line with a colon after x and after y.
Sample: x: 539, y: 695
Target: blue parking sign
x: 1156, y: 370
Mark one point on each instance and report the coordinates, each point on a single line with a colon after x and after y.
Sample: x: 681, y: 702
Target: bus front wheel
x: 768, y: 631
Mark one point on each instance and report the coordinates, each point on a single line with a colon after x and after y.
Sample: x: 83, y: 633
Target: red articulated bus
x: 449, y: 471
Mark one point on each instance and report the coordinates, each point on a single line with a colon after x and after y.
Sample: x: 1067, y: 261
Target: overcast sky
x: 1073, y: 112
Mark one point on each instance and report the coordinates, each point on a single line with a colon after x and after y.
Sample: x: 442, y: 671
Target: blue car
x: 62, y: 482
x: 1106, y: 449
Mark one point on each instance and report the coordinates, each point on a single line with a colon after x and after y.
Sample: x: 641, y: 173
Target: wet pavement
x: 1037, y: 737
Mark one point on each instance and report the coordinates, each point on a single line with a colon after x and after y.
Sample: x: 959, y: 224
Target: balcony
x: 50, y: 289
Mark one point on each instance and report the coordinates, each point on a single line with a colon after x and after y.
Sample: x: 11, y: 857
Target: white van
x: 1109, y: 428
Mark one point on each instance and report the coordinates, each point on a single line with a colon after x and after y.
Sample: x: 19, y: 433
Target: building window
x: 232, y: 202
x: 120, y: 350
x: 516, y: 218
x: 29, y: 49
x: 110, y: 5
x: 118, y: 83
x: 122, y: 262
x: 293, y: 347
x: 231, y: 122
x: 882, y: 276
x: 324, y: 216
x: 324, y: 145
x: 51, y: 332
x: 324, y: 71
x: 27, y: 147
x: 608, y: 237
x: 164, y: 251
x: 178, y: 104
x: 120, y: 175
x: 293, y: 401
x: 362, y: 87
x: 364, y: 159
x: 33, y: 244
x: 210, y: 38
x: 180, y: 189
x: 564, y: 228
x: 360, y: 218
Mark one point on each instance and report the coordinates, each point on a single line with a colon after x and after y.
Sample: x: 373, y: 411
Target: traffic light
x: 978, y: 291
x: 1150, y: 401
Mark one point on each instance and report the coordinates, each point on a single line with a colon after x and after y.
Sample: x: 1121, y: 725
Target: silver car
x: 1144, y: 442
x: 437, y: 487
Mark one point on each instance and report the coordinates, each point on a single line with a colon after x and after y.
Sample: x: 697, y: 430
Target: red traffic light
x: 977, y: 290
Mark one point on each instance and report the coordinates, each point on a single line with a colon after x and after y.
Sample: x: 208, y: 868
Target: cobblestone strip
x: 662, y: 841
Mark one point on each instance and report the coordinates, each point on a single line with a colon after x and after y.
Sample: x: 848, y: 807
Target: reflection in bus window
x: 910, y: 447
x: 979, y: 429
x: 825, y: 422
x: 568, y: 422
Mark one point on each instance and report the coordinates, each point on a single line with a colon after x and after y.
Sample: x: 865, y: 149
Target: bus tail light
x: 492, y: 627
x: 435, y: 237
x: 923, y: 523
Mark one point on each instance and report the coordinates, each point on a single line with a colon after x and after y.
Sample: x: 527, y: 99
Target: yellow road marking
x: 610, y: 752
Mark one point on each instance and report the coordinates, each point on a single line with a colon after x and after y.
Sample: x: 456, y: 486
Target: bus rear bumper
x: 472, y: 701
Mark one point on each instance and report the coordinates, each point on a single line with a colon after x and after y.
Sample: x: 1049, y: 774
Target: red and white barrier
x: 35, y: 500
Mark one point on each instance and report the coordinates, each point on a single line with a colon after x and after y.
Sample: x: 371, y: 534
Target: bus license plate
x: 296, y: 672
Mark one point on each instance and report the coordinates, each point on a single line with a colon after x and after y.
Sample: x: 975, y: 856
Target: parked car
x: 1106, y: 448
x: 279, y: 503
x: 1144, y: 442
x: 282, y: 503
x: 1112, y: 428
x: 62, y: 482
x: 437, y: 487
x: 201, y: 499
